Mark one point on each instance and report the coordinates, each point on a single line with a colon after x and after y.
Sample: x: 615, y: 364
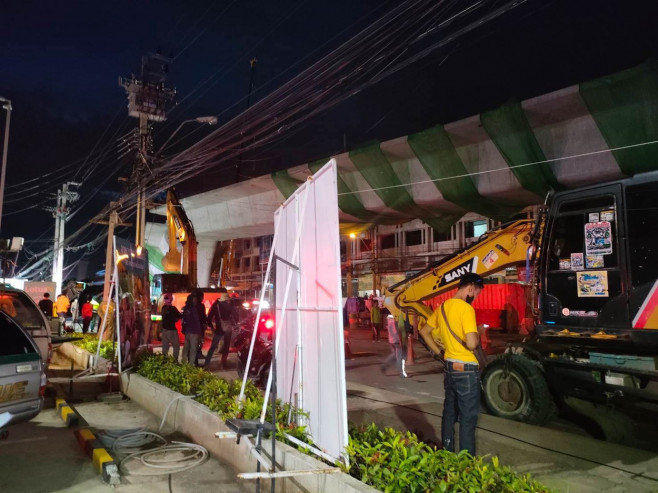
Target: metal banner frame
x: 310, y: 362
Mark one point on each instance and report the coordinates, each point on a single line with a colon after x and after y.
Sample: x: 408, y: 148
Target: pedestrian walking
x: 397, y: 356
x: 87, y: 313
x: 222, y: 316
x: 376, y: 320
x: 170, y: 315
x: 192, y: 330
x: 203, y: 320
x: 75, y: 312
x: 46, y: 305
x: 62, y: 305
x: 454, y: 319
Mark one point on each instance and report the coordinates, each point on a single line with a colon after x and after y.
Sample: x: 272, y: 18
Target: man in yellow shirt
x: 461, y: 378
x: 62, y: 305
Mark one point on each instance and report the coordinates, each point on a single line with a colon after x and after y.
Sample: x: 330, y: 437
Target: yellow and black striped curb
x: 66, y: 412
x: 103, y: 462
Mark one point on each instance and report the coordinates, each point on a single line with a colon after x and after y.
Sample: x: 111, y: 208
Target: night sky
x: 60, y: 63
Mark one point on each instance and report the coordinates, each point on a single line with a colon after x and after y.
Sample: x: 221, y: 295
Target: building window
x: 439, y: 236
x: 247, y: 262
x: 413, y: 238
x: 237, y: 263
x: 387, y: 241
x: 366, y: 245
x: 247, y: 244
x: 475, y: 229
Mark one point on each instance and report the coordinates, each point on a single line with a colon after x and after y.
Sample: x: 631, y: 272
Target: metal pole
x: 114, y: 219
x: 5, y: 147
x: 60, y: 245
x: 56, y: 260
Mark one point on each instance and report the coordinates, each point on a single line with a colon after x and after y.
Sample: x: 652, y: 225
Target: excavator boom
x: 498, y: 249
x: 179, y: 228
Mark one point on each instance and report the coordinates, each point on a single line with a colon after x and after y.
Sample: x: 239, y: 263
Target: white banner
x: 310, y: 357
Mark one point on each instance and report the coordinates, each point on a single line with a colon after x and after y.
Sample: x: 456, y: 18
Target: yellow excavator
x: 180, y: 229
x: 509, y: 245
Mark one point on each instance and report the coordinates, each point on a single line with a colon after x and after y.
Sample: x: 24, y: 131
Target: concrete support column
x: 205, y: 252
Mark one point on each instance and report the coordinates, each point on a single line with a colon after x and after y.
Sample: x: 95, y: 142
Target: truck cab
x: 21, y: 307
x: 595, y: 349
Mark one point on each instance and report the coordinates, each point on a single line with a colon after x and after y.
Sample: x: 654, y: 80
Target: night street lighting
x: 6, y: 105
x: 210, y: 120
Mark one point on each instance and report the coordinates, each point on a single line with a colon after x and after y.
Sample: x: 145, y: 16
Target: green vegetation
x: 395, y: 462
x: 217, y: 394
x: 385, y: 459
x: 89, y: 343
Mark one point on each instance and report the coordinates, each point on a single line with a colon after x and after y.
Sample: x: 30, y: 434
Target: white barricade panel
x: 311, y: 362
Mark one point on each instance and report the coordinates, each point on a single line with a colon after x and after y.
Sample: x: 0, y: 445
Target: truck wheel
x: 518, y: 391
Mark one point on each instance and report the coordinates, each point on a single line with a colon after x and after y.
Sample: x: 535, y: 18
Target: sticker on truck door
x: 13, y: 391
x: 598, y: 238
x: 592, y: 284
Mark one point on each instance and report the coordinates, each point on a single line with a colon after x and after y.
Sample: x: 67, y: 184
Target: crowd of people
x: 221, y: 318
x: 80, y: 310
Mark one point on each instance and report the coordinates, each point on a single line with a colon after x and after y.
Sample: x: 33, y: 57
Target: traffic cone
x: 410, y: 350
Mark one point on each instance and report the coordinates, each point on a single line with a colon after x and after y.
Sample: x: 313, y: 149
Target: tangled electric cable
x: 167, y: 458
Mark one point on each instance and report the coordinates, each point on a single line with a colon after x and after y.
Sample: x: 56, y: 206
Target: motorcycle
x: 261, y: 359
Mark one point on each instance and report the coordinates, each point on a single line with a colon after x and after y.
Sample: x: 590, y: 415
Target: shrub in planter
x: 397, y: 462
x: 385, y: 459
x: 89, y: 343
x: 217, y: 394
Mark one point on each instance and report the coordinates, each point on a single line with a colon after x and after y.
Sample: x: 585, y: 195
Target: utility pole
x: 113, y: 222
x: 147, y: 100
x: 61, y: 213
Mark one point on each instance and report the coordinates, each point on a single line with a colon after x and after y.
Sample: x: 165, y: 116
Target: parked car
x: 22, y: 375
x: 21, y: 307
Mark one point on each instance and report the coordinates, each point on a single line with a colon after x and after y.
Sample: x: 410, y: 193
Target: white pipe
x: 260, y: 458
x: 254, y: 334
x: 117, y: 327
x: 310, y: 448
x: 287, y: 474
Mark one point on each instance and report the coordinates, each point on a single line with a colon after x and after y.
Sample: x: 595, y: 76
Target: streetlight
x: 210, y: 120
x: 6, y: 105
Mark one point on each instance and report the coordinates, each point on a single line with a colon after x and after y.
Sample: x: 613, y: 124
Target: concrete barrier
x: 80, y: 357
x: 200, y: 424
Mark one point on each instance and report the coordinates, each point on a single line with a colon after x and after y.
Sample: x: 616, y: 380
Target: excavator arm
x: 498, y: 249
x: 180, y: 229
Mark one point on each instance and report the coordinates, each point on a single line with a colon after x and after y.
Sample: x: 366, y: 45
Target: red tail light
x: 268, y: 323
x: 42, y: 388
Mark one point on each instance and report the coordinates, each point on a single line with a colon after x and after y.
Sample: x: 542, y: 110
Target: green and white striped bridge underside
x: 495, y: 163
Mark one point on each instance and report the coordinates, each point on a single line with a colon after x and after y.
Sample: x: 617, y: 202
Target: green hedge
x: 385, y: 459
x: 89, y: 343
x: 217, y: 394
x: 397, y: 462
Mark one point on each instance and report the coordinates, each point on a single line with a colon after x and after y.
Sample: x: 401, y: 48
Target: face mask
x: 469, y: 299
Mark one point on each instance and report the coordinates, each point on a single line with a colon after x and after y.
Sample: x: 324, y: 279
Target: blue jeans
x: 462, y: 402
x: 216, y: 338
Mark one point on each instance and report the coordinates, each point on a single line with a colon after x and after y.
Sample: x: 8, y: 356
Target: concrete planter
x: 80, y: 357
x: 200, y: 424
